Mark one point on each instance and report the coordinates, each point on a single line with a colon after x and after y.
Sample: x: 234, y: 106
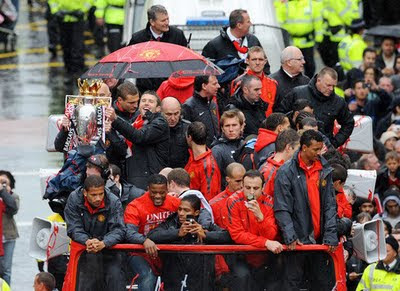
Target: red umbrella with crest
x: 152, y: 59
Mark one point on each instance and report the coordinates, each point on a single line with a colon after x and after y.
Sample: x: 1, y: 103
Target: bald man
x: 178, y: 147
x: 290, y: 75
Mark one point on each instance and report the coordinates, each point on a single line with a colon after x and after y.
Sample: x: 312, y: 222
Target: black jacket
x: 107, y: 224
x: 285, y: 85
x: 223, y: 151
x: 198, y: 268
x: 383, y: 124
x: 254, y: 113
x: 174, y: 35
x: 178, y: 147
x: 221, y: 46
x: 380, y: 63
x: 149, y: 147
x: 326, y: 110
x: 197, y: 108
x: 292, y: 207
x: 129, y: 192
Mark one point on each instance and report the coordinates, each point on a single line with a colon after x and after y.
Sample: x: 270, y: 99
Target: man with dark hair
x: 202, y: 166
x: 147, y: 139
x: 157, y: 29
x: 368, y: 58
x: 287, y: 142
x: 94, y: 219
x: 124, y: 191
x: 127, y: 101
x: 386, y: 60
x: 250, y: 221
x: 178, y: 147
x: 306, y: 221
x: 224, y: 149
x: 328, y: 106
x: 267, y: 134
x: 248, y: 100
x: 203, y: 107
x: 233, y: 40
x: 44, y: 281
x: 141, y: 216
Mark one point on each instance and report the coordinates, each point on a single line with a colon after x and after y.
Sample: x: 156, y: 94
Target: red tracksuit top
x: 269, y: 172
x: 218, y: 206
x: 344, y: 207
x: 243, y: 225
x: 204, y: 174
x: 142, y: 212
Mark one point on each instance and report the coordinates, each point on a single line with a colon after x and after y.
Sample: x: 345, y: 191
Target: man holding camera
x: 251, y: 221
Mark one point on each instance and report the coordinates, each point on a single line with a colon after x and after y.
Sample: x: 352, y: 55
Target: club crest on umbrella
x: 150, y: 54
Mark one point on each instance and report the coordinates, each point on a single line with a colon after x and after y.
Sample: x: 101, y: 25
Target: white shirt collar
x: 155, y: 35
x: 243, y: 42
x: 290, y: 75
x: 391, y: 265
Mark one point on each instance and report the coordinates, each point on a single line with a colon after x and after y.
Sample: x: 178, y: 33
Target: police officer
x: 71, y: 15
x: 337, y: 15
x: 303, y: 20
x: 112, y: 14
x: 351, y: 48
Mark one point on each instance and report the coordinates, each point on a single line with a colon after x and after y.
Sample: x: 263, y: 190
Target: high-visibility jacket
x: 338, y: 14
x: 70, y: 8
x: 302, y: 19
x: 376, y: 278
x: 350, y: 51
x: 111, y: 10
x: 4, y: 286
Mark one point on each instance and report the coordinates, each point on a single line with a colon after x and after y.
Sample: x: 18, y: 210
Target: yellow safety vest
x: 378, y: 280
x: 350, y: 51
x: 4, y: 286
x: 302, y: 19
x: 111, y: 10
x: 339, y: 13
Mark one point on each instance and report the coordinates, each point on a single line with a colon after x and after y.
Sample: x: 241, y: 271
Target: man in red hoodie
x: 234, y: 179
x: 142, y: 215
x: 202, y: 167
x: 179, y: 87
x: 256, y: 60
x: 267, y: 134
x: 287, y: 142
x: 251, y: 221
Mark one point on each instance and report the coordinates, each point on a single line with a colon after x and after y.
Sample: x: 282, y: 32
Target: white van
x: 203, y: 20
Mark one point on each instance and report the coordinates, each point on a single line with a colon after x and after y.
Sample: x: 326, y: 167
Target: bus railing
x: 337, y: 257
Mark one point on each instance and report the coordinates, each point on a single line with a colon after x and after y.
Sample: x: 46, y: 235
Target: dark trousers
x: 52, y: 29
x: 100, y: 272
x: 329, y: 52
x: 309, y: 66
x: 313, y: 269
x: 72, y: 41
x: 114, y: 37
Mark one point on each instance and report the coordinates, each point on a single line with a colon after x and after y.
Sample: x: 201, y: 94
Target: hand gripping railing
x: 337, y: 257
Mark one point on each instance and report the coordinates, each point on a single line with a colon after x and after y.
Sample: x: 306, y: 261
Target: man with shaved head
x: 290, y: 75
x: 178, y: 148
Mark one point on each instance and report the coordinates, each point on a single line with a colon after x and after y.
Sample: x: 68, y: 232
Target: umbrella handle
x: 189, y: 39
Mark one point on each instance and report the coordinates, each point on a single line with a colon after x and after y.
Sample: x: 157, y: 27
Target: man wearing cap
x: 351, y: 48
x: 384, y: 275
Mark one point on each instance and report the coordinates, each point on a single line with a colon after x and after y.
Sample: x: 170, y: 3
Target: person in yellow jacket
x: 112, y: 14
x: 303, y: 20
x: 4, y: 286
x: 71, y: 15
x: 337, y: 15
x: 384, y: 275
x: 351, y: 48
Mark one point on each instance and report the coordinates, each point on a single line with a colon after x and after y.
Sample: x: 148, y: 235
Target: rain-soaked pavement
x: 31, y: 88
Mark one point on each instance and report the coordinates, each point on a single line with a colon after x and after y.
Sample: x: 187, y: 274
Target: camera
x: 4, y: 185
x: 250, y: 197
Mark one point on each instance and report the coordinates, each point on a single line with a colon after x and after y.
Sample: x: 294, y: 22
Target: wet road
x: 31, y: 88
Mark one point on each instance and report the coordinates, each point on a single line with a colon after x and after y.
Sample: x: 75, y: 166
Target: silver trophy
x: 85, y: 123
